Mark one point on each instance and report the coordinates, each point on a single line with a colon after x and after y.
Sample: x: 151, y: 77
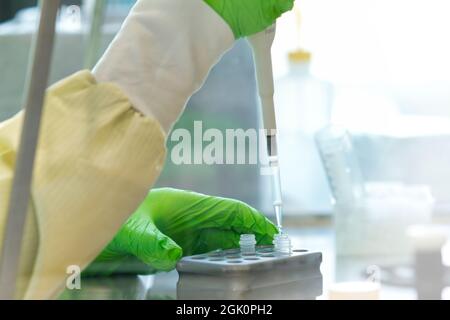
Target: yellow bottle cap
x: 299, y: 56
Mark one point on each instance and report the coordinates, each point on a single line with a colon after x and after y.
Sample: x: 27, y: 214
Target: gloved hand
x: 247, y: 17
x: 171, y: 223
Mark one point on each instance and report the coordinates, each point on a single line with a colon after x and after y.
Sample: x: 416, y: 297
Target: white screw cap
x: 362, y: 290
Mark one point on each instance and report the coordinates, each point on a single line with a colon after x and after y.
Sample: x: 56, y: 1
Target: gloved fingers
x: 138, y: 248
x: 272, y: 10
x: 213, y: 239
x: 150, y: 245
x: 250, y: 16
x: 103, y: 266
x: 284, y: 6
x: 183, y: 215
x: 173, y: 209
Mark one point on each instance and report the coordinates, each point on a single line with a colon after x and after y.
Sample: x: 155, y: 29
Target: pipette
x: 262, y: 45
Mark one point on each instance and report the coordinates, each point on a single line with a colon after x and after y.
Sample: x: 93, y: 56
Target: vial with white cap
x: 282, y: 244
x: 248, y: 244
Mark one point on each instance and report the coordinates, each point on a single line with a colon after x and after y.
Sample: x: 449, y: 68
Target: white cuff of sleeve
x: 163, y: 53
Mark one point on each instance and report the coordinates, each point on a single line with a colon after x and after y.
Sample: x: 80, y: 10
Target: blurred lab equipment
x: 97, y: 14
x: 371, y: 217
x: 429, y: 269
x: 305, y: 99
x: 8, y: 8
x: 15, y: 43
x: 341, y: 165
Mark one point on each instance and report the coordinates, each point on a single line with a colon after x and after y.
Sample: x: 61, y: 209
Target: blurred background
x: 378, y: 70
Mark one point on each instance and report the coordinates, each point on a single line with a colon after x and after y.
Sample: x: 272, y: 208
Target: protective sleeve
x: 163, y: 54
x: 97, y: 158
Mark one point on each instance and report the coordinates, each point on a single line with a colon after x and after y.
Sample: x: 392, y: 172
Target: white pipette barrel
x: 262, y: 53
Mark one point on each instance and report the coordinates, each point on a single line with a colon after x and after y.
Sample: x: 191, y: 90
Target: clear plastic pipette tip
x: 278, y: 215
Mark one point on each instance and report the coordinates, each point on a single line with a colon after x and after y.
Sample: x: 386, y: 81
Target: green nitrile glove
x: 248, y: 17
x: 171, y: 223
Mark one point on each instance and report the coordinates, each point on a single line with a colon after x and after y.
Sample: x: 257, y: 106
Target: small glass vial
x: 282, y: 244
x: 248, y: 244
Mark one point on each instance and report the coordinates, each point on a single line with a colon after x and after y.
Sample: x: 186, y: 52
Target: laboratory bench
x: 334, y: 269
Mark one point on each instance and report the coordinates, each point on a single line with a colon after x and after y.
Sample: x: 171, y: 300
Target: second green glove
x: 248, y: 17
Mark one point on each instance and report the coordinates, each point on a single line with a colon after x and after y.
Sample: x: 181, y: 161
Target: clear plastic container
x: 341, y: 165
x: 371, y: 217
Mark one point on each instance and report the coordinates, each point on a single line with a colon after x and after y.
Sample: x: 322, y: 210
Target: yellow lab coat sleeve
x: 97, y: 158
